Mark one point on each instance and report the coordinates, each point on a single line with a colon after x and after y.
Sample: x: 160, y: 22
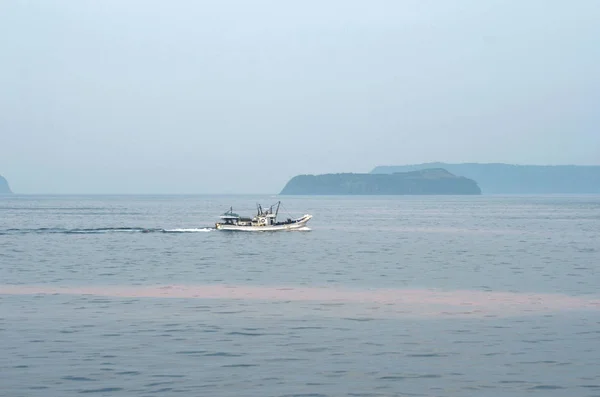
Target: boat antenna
x: 286, y: 211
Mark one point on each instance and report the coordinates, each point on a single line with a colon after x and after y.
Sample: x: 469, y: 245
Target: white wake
x: 194, y: 230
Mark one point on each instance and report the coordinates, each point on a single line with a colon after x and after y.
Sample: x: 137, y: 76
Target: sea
x: 383, y: 296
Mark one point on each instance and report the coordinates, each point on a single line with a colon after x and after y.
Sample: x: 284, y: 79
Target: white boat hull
x: 296, y: 225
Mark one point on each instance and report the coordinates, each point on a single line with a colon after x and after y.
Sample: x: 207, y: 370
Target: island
x: 500, y: 178
x: 422, y: 182
x: 4, y: 188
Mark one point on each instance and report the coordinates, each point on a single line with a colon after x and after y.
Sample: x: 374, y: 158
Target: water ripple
x: 419, y: 296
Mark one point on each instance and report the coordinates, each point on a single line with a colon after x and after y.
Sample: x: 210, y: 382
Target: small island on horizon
x: 435, y: 181
x: 4, y: 188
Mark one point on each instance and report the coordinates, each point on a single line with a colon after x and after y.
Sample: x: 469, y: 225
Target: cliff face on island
x: 431, y: 181
x: 4, y: 188
x: 517, y: 179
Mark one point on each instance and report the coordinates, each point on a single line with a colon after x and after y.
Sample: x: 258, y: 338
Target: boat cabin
x: 262, y: 218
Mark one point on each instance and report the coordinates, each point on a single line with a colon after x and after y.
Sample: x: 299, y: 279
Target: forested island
x: 423, y: 182
x: 498, y: 178
x: 4, y: 188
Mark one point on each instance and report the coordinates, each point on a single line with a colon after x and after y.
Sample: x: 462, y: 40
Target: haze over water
x: 385, y: 296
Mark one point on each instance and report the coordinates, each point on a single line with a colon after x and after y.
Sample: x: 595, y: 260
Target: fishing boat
x: 264, y: 220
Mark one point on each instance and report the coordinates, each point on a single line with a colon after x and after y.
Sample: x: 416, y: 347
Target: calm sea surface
x: 385, y: 296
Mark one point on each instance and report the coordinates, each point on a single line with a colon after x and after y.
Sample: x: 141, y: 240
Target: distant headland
x: 498, y: 178
x: 422, y: 182
x: 4, y: 188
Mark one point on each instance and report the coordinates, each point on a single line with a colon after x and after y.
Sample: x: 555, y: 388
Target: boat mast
x: 277, y: 211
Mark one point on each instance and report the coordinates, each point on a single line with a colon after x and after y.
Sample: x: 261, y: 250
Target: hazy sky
x: 118, y: 96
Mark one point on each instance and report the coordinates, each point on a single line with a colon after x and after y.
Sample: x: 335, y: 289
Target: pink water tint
x: 383, y: 302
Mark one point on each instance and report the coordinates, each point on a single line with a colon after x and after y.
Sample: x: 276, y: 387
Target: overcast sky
x: 118, y: 96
